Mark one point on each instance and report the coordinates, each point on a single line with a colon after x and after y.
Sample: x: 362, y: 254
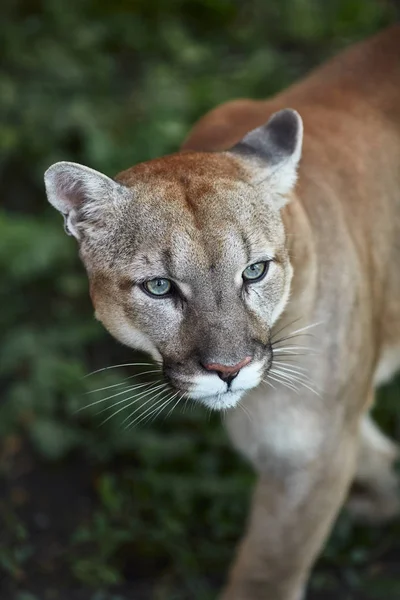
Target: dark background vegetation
x: 102, y: 513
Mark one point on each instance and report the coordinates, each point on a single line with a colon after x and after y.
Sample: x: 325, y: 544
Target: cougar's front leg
x: 306, y: 461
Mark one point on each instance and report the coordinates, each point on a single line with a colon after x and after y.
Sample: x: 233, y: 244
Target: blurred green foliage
x: 110, y: 84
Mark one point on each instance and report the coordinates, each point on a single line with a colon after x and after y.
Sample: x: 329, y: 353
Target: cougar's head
x: 186, y: 255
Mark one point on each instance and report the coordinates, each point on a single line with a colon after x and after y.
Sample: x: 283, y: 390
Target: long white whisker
x: 308, y: 327
x: 152, y: 397
x: 174, y: 406
x: 279, y: 349
x: 130, y: 388
x: 150, y: 408
x: 135, y: 395
x: 136, y: 399
x: 279, y: 368
x: 284, y: 327
x: 289, y: 353
x: 298, y: 332
x: 186, y: 402
x: 160, y: 410
x: 291, y: 337
x: 291, y: 357
x: 288, y: 376
x: 294, y: 367
x: 142, y: 418
x: 283, y: 382
x: 152, y: 416
x: 246, y: 411
x: 299, y: 376
x: 223, y: 413
x: 293, y: 379
x: 107, y: 387
x: 268, y: 383
x: 118, y: 367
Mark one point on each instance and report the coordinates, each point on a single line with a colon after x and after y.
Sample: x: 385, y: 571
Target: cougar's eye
x: 255, y: 272
x: 158, y: 286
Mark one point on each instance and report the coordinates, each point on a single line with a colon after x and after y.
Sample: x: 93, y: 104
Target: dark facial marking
x: 125, y: 284
x: 246, y: 245
x: 167, y: 259
x: 218, y: 298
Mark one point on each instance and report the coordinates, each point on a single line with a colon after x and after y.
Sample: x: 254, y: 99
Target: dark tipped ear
x: 275, y: 148
x: 78, y: 192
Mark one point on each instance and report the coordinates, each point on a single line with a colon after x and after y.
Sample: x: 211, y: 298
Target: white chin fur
x: 222, y: 401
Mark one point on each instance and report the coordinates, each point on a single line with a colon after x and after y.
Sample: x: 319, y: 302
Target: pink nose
x: 228, y: 371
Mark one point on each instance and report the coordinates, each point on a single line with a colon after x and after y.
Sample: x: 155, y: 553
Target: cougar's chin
x: 221, y: 401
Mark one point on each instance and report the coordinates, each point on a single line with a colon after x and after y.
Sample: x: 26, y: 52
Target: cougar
x: 257, y: 291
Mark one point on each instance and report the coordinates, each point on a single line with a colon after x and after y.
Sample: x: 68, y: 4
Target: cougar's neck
x: 300, y: 244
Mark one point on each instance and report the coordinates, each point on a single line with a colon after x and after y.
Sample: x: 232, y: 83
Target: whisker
x: 316, y: 324
x: 223, y: 412
x: 140, y: 417
x: 154, y: 410
x: 291, y: 337
x: 151, y: 399
x: 289, y: 377
x: 153, y: 415
x: 129, y: 389
x: 299, y: 332
x: 283, y: 382
x: 118, y: 367
x: 160, y: 410
x: 136, y: 399
x: 107, y: 387
x: 287, y: 354
x: 298, y: 372
x: 290, y: 357
x: 185, y: 405
x: 268, y: 383
x: 280, y: 348
x: 279, y: 378
x: 135, y: 395
x: 293, y: 379
x: 278, y: 367
x: 246, y: 411
x: 174, y: 406
x: 286, y: 364
x: 285, y: 327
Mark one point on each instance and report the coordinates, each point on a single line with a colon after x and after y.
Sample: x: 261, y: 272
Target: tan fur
x: 339, y: 236
x: 346, y: 219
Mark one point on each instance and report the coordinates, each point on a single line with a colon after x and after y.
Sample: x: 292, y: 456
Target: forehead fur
x: 208, y: 165
x: 198, y: 208
x: 187, y: 183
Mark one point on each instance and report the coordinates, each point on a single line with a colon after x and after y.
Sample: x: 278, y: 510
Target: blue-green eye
x: 158, y: 286
x: 255, y: 272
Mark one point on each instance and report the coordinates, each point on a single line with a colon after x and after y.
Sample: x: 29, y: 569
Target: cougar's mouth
x: 217, y: 394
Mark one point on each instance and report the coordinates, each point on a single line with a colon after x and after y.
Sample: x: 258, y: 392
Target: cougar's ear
x: 79, y: 193
x: 275, y: 150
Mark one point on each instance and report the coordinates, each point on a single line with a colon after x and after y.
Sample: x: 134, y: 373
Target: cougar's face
x: 187, y: 261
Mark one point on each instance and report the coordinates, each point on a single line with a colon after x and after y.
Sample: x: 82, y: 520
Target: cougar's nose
x: 227, y: 372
